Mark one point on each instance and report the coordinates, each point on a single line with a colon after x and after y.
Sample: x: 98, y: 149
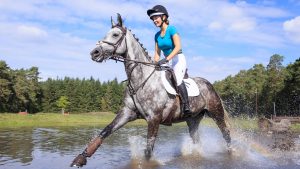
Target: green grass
x: 102, y: 119
x: 237, y: 123
x: 57, y: 120
x: 244, y: 123
x: 296, y: 127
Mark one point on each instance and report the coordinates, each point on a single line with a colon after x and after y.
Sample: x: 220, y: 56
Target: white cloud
x: 263, y: 9
x: 292, y: 28
x: 31, y: 32
x: 57, y: 36
x: 242, y: 26
x: 214, y: 68
x: 238, y: 22
x: 235, y: 19
x: 217, y: 68
x: 50, y: 50
x: 215, y: 25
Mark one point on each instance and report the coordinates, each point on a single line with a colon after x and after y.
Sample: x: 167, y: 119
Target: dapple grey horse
x: 145, y: 96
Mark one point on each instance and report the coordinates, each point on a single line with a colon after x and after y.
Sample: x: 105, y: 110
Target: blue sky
x: 219, y: 37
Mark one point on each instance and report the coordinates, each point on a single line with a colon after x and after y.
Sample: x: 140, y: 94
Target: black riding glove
x: 163, y: 61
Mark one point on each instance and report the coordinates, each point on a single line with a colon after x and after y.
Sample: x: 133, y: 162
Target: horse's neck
x: 137, y: 72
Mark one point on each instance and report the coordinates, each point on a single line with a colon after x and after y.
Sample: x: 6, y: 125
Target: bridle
x: 118, y: 43
x: 117, y: 57
x: 115, y: 45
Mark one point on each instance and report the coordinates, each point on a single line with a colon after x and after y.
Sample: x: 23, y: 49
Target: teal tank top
x: 165, y: 43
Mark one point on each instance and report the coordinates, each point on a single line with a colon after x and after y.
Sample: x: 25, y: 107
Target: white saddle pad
x: 191, y: 86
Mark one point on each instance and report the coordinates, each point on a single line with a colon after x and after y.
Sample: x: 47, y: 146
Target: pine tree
x: 274, y: 84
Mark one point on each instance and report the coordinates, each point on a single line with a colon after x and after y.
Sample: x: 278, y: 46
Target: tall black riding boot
x: 184, y: 98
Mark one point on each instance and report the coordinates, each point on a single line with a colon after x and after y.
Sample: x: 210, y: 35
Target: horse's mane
x: 120, y: 24
x: 142, y: 46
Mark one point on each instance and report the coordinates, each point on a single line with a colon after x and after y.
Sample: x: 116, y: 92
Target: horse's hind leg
x: 193, y: 125
x: 225, y: 131
x: 219, y: 118
x: 218, y: 115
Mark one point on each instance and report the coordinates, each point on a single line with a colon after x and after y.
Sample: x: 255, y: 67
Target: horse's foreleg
x: 124, y: 116
x: 193, y: 124
x: 153, y: 127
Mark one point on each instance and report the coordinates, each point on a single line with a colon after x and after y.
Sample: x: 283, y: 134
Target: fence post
x: 274, y: 109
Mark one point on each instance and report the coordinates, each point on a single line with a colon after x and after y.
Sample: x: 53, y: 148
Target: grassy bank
x: 101, y: 119
x: 55, y: 119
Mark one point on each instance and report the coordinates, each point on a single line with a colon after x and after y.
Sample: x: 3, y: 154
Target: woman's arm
x: 156, y: 53
x: 177, y: 44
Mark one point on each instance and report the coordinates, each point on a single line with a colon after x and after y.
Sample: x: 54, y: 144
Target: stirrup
x: 186, y: 110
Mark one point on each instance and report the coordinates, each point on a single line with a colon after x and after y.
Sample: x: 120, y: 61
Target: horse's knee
x: 148, y: 154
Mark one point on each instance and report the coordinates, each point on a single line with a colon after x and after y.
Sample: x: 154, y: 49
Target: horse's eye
x: 115, y: 35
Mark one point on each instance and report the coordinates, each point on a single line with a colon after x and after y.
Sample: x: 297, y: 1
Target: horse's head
x: 113, y: 44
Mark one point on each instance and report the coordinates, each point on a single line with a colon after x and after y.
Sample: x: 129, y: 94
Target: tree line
x: 259, y: 91
x: 22, y: 90
x: 263, y: 91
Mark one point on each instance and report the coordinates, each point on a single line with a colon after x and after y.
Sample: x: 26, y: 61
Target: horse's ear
x: 112, y: 22
x: 120, y: 21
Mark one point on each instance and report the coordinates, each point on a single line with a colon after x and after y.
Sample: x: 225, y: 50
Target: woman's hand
x: 163, y: 61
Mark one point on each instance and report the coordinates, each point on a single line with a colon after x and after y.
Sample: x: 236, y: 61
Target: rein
x: 121, y: 59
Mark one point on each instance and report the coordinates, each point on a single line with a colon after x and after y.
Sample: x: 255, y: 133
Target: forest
x: 263, y: 91
x: 259, y: 91
x: 22, y: 90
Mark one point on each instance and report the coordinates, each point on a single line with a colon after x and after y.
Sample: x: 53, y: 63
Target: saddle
x: 171, y: 78
x: 170, y: 83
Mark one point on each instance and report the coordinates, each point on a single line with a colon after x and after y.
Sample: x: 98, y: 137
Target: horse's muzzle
x: 97, y: 54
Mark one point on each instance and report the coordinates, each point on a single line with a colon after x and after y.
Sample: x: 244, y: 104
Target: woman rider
x: 168, y: 41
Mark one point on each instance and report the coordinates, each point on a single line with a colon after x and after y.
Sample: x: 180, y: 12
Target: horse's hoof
x: 231, y: 149
x: 75, y: 165
x: 79, y: 161
x: 147, y: 154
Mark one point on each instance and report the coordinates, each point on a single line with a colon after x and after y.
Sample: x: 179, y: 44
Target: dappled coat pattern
x: 145, y: 97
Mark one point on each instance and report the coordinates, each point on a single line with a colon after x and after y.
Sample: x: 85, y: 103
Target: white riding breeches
x: 179, y: 67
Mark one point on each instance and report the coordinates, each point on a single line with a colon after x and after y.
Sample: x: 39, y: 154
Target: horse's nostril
x: 95, y: 52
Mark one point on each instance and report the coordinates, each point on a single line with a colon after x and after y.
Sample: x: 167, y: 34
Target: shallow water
x: 55, y: 148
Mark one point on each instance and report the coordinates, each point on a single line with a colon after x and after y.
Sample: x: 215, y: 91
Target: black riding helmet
x: 157, y: 10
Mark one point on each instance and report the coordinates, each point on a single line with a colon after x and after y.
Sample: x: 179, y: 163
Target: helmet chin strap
x: 161, y: 16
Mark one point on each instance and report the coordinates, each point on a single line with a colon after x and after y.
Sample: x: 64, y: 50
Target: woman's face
x: 157, y: 20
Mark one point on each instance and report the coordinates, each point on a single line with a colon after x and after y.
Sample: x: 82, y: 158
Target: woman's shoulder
x: 172, y: 29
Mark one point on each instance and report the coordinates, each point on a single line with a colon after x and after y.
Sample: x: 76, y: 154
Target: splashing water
x: 189, y: 148
x: 212, y: 152
x: 137, y: 146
